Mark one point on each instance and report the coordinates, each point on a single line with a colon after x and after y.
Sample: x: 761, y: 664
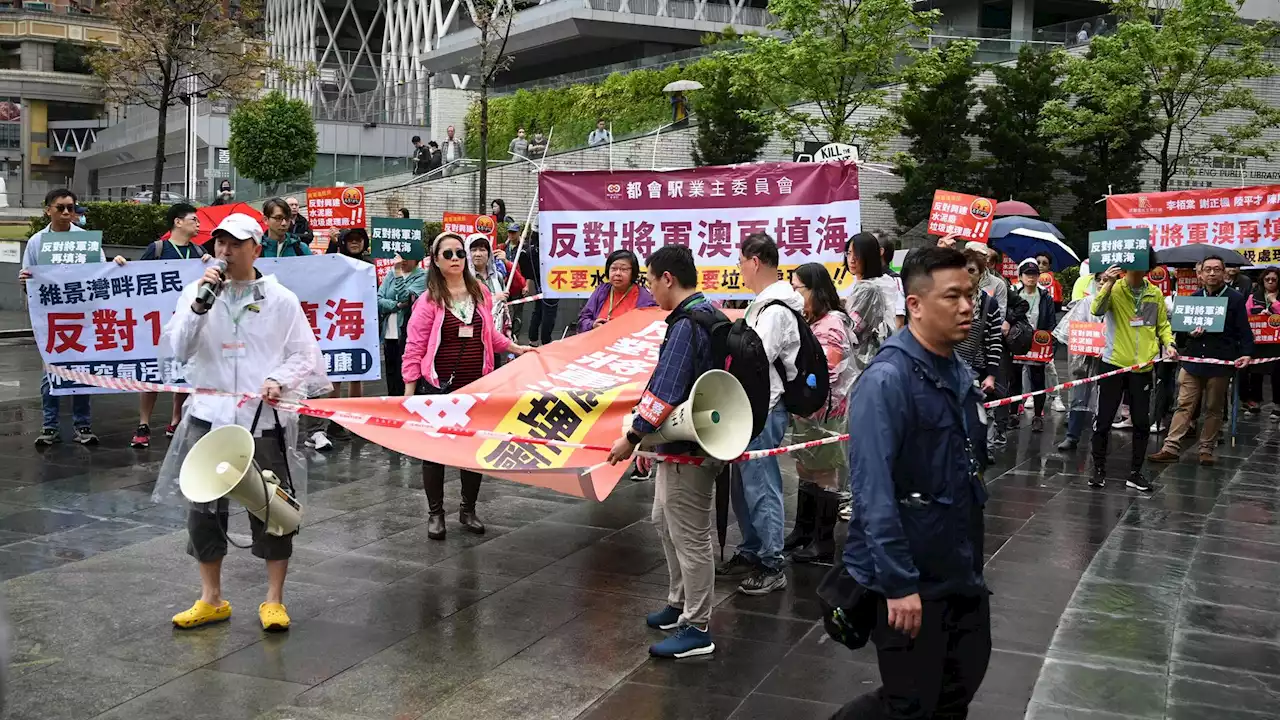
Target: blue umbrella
x: 1022, y: 243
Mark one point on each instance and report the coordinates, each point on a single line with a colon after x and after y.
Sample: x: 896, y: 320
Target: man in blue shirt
x: 682, y: 494
x: 916, y: 448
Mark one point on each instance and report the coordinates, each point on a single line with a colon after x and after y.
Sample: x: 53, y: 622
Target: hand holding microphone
x: 210, y: 287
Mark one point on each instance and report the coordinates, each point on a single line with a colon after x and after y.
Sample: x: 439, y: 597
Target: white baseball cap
x: 241, y: 227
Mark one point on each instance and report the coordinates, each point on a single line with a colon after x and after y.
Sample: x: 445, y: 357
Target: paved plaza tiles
x: 1105, y: 605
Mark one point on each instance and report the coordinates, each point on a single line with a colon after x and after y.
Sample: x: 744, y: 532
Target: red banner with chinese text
x: 467, y: 223
x: 577, y: 390
x: 336, y: 207
x: 1244, y: 219
x: 1266, y: 329
x: 966, y: 216
x: 1086, y: 338
x: 1041, y: 348
x: 810, y: 209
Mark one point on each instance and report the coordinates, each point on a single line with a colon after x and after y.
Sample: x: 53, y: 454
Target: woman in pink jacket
x: 450, y: 343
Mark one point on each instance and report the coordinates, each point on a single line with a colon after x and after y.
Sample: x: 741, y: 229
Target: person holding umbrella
x: 1199, y: 382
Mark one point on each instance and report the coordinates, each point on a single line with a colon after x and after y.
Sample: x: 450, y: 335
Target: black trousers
x: 393, y: 353
x: 934, y: 675
x: 1110, y: 393
x: 1165, y: 396
x: 1251, y: 387
x: 1037, y: 383
x: 544, y: 320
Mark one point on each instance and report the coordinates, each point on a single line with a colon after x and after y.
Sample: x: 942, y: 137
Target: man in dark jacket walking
x: 1201, y: 382
x: 915, y: 538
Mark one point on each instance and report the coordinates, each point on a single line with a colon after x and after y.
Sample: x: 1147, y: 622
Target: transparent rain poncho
x: 255, y: 331
x: 1080, y: 366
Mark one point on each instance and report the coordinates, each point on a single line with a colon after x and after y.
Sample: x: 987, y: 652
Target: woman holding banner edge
x: 450, y: 342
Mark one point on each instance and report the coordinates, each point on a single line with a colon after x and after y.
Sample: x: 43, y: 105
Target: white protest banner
x: 107, y: 319
x: 810, y: 210
x: 1245, y: 219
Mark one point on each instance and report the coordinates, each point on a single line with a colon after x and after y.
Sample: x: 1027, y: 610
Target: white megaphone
x: 221, y: 465
x: 717, y: 416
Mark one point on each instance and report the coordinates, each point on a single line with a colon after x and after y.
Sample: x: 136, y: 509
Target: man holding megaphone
x: 682, y: 494
x: 236, y: 331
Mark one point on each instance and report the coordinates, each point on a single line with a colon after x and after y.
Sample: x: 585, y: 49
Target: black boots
x: 826, y: 510
x: 802, y: 534
x: 467, y: 511
x: 433, y: 484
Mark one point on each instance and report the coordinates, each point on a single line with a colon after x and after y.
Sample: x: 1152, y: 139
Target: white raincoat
x: 254, y: 331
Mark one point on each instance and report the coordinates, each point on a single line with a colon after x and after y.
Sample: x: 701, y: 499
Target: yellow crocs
x: 273, y: 616
x: 202, y: 613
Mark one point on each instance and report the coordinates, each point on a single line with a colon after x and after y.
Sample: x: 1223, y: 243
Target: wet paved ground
x: 1106, y: 605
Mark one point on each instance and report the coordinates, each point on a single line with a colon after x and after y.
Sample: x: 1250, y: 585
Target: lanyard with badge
x: 185, y: 252
x: 1137, y: 320
x: 237, y: 348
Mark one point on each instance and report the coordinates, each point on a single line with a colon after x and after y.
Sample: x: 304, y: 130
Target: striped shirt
x: 984, y: 347
x: 458, y: 357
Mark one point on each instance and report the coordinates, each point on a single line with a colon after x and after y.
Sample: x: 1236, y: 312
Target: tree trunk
x: 157, y: 176
x: 482, y: 202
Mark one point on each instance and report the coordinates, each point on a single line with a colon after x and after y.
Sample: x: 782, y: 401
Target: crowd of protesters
x: 909, y: 361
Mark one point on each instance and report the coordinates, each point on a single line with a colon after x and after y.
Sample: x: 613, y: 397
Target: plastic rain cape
x: 269, y: 336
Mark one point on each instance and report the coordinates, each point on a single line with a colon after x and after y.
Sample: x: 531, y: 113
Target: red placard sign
x: 467, y: 223
x: 1187, y: 282
x: 1009, y: 269
x: 966, y: 216
x: 336, y: 207
x: 1041, y: 348
x: 1086, y: 338
x: 1266, y: 329
x: 1162, y: 278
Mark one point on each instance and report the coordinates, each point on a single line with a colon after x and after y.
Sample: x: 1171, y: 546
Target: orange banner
x: 966, y: 216
x: 577, y: 390
x: 1266, y: 329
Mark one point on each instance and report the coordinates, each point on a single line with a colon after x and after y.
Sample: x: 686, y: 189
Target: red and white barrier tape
x: 1119, y: 371
x: 521, y: 301
x: 379, y: 421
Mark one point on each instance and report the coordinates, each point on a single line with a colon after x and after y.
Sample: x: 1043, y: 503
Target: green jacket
x: 393, y: 291
x: 292, y: 247
x: 1129, y: 343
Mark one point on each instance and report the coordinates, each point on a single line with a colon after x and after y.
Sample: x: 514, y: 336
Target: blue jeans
x: 1082, y: 397
x: 79, y: 406
x: 757, y: 500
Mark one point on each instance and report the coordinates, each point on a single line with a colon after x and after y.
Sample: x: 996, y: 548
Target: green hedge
x: 121, y: 223
x: 632, y: 102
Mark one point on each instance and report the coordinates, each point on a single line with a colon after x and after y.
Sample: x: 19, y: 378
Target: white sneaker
x: 1058, y: 405
x: 1028, y: 404
x: 1155, y: 428
x: 320, y: 441
x: 1122, y: 423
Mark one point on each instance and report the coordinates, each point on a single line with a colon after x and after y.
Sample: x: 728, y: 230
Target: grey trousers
x: 682, y: 505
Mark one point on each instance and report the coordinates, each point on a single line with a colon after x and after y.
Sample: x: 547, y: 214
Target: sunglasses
x: 452, y: 254
x: 65, y: 208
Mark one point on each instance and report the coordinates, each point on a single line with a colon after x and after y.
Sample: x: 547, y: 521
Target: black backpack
x: 736, y: 349
x: 1020, y: 331
x: 809, y: 391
